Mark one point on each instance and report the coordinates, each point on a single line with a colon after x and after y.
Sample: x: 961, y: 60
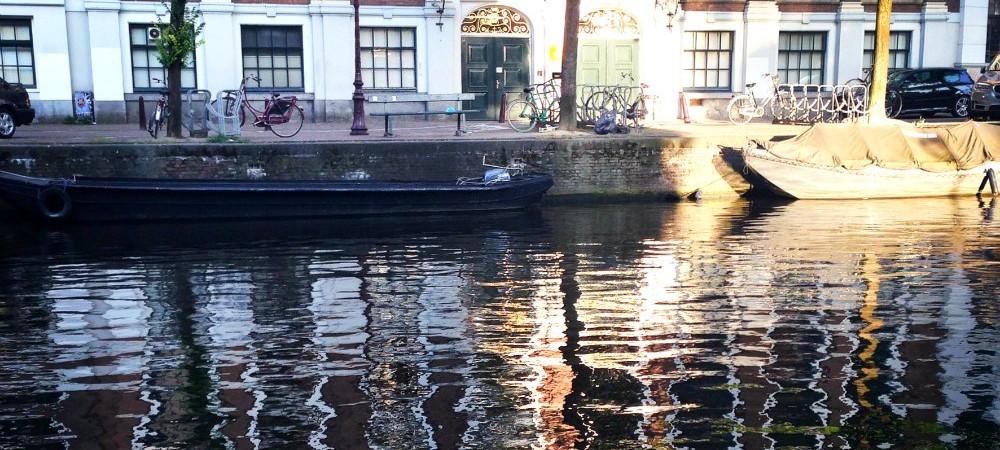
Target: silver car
x: 986, y: 92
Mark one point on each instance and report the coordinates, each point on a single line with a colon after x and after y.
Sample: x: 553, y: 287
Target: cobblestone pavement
x: 404, y: 130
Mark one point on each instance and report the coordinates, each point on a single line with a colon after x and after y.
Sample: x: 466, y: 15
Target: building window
x: 800, y: 57
x: 389, y: 58
x: 899, y: 49
x: 708, y: 57
x: 273, y: 53
x: 17, y: 62
x: 145, y: 65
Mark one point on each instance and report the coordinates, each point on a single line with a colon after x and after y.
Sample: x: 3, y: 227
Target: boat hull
x: 803, y: 181
x: 111, y: 199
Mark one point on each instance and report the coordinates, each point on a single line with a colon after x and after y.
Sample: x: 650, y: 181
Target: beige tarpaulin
x: 893, y: 145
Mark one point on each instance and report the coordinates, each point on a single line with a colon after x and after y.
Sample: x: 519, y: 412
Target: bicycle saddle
x: 529, y: 89
x: 751, y: 85
x: 275, y: 94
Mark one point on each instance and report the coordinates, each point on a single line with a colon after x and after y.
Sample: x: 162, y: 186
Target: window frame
x: 293, y: 49
x: 189, y: 72
x: 795, y: 51
x: 689, y: 65
x: 868, y: 53
x: 18, y: 48
x: 370, y: 71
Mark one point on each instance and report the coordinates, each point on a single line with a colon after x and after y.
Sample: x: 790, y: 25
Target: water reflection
x: 693, y: 325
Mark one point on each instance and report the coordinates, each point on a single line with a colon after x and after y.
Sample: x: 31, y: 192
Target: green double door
x: 608, y: 62
x: 490, y: 67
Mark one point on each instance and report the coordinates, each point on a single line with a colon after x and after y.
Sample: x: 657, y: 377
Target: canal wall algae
x: 590, y: 167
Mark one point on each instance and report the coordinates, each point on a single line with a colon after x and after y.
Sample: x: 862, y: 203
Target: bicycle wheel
x: 893, y: 104
x: 284, y: 119
x: 592, y: 107
x: 521, y: 116
x: 607, y: 102
x: 154, y: 124
x: 740, y: 109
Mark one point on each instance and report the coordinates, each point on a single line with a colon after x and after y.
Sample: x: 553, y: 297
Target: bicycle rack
x: 196, y: 124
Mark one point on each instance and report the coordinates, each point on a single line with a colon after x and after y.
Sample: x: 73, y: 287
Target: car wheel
x: 961, y: 107
x: 6, y: 125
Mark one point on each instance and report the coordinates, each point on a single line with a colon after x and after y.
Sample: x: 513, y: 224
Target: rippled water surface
x: 715, y: 325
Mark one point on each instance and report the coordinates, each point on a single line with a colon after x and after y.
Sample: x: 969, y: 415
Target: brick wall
x: 597, y: 167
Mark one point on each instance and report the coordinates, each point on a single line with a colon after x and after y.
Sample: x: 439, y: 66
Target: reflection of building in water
x: 232, y: 362
x: 339, y: 314
x: 100, y: 336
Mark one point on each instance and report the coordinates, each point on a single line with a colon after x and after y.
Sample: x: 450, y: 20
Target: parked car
x: 15, y: 108
x: 927, y: 91
x: 986, y: 92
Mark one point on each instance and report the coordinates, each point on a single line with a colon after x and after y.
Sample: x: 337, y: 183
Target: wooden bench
x: 413, y: 104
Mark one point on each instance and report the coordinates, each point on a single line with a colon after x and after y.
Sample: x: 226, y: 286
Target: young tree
x: 567, y: 98
x: 178, y: 40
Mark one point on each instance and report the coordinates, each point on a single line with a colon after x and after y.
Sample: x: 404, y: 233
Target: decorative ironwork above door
x: 609, y: 22
x: 495, y: 20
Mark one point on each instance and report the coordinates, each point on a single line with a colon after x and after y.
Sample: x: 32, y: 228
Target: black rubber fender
x: 54, y: 203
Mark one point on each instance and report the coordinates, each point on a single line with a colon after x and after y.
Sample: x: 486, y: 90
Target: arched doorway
x: 609, y: 48
x: 495, y: 57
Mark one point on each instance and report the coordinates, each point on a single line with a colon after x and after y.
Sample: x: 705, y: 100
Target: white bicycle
x: 746, y: 106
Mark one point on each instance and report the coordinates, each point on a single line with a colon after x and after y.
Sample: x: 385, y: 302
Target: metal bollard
x: 142, y: 114
x: 503, y: 107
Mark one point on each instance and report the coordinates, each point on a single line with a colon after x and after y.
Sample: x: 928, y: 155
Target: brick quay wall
x: 599, y: 167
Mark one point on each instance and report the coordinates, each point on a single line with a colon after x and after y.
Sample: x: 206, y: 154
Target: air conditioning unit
x: 153, y: 33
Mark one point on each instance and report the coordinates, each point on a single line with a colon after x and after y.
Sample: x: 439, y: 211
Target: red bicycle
x: 281, y: 115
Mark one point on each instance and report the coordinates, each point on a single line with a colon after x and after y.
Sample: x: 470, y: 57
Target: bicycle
x: 281, y: 115
x: 158, y: 119
x: 617, y: 100
x: 540, y: 105
x: 745, y: 106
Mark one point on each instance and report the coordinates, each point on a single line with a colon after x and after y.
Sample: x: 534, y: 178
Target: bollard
x: 142, y: 114
x: 503, y: 107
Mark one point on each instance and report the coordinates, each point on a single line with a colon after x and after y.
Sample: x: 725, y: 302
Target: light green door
x: 608, y: 62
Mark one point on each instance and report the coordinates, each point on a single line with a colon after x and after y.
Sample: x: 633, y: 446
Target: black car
x: 15, y: 108
x: 927, y: 91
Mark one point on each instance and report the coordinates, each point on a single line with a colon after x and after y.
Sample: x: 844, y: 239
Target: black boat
x: 83, y: 199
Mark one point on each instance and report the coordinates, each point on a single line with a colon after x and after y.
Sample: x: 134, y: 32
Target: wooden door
x: 607, y: 61
x: 490, y: 67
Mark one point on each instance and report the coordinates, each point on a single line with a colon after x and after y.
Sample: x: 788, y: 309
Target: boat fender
x: 54, y: 202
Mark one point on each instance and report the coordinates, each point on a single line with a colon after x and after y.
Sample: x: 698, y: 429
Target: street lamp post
x: 358, y: 127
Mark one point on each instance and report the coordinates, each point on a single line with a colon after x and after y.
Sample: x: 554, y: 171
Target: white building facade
x: 707, y: 50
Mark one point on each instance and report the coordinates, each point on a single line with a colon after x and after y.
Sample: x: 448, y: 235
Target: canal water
x: 715, y: 325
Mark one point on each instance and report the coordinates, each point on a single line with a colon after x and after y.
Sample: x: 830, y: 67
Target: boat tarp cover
x: 893, y: 145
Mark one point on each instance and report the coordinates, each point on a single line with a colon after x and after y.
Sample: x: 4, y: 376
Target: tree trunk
x: 880, y: 67
x: 567, y: 98
x: 177, y: 8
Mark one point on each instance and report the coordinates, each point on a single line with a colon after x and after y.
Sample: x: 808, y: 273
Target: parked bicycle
x: 280, y: 114
x: 158, y: 119
x: 539, y: 106
x: 619, y: 100
x: 746, y: 106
